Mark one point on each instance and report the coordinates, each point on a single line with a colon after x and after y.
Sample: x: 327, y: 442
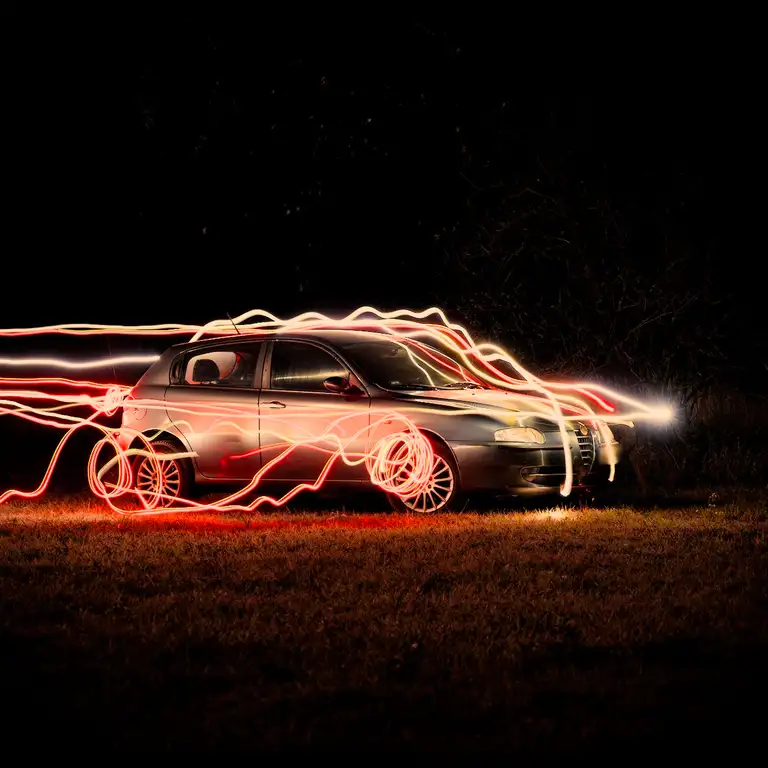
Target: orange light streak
x: 399, y: 464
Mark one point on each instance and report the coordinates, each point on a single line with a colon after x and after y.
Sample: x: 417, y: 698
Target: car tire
x: 445, y: 484
x: 177, y: 473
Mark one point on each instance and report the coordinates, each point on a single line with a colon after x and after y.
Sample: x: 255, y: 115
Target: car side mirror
x: 341, y: 386
x: 336, y: 384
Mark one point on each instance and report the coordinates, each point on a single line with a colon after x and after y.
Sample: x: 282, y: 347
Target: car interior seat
x: 205, y: 372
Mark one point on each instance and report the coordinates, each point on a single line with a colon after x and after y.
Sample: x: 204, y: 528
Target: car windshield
x: 408, y: 365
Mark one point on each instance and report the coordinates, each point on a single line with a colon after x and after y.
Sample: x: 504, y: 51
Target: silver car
x: 315, y: 408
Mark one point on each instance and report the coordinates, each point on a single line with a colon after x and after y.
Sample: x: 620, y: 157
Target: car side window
x: 302, y: 367
x: 222, y: 367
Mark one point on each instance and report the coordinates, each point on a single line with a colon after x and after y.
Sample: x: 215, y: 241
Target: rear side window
x: 227, y: 367
x: 302, y: 367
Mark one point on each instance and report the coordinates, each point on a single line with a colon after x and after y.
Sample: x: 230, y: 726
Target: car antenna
x: 233, y: 323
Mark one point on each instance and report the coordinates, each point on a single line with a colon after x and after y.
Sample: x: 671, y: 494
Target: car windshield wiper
x: 413, y: 386
x: 462, y: 385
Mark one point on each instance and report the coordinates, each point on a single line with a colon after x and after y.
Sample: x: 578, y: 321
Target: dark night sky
x: 176, y: 171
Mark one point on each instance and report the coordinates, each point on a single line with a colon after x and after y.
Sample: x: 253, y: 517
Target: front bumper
x: 518, y: 470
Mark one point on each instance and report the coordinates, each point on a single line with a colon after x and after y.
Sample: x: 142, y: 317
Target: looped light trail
x: 400, y: 464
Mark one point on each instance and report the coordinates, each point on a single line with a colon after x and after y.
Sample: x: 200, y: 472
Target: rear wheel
x: 440, y: 493
x: 160, y: 479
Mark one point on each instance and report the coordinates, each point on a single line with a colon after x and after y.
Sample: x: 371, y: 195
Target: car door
x: 213, y: 399
x: 304, y: 422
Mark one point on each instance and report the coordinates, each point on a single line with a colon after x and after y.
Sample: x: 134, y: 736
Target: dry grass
x: 548, y: 630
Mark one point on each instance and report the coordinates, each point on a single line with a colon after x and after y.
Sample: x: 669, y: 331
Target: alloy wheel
x: 438, y: 490
x: 158, y: 476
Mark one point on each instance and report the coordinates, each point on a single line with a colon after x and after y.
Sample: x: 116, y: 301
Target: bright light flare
x: 663, y: 414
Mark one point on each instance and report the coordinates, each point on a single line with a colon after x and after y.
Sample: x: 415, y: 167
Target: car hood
x: 487, y: 400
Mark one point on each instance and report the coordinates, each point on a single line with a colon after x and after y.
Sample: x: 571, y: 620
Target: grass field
x: 543, y: 631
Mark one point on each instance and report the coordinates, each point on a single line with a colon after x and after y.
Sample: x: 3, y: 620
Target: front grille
x: 587, y: 448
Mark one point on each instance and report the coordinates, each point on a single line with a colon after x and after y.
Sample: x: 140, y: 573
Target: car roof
x: 330, y: 336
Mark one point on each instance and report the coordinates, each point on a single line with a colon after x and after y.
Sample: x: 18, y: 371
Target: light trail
x: 401, y: 464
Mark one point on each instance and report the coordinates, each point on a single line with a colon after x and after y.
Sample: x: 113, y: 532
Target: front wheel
x: 440, y: 493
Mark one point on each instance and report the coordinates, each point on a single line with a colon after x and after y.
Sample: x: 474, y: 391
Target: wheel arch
x: 436, y: 438
x: 159, y: 434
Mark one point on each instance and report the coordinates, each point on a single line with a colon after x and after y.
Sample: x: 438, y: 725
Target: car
x: 348, y: 408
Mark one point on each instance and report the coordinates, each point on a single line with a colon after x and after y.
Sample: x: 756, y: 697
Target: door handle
x: 275, y: 404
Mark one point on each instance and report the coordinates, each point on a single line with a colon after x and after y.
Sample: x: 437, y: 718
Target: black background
x: 179, y: 167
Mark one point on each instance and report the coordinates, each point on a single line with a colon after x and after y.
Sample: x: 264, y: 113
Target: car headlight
x: 518, y: 435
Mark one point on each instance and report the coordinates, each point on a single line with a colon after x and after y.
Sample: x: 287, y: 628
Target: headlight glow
x: 518, y: 435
